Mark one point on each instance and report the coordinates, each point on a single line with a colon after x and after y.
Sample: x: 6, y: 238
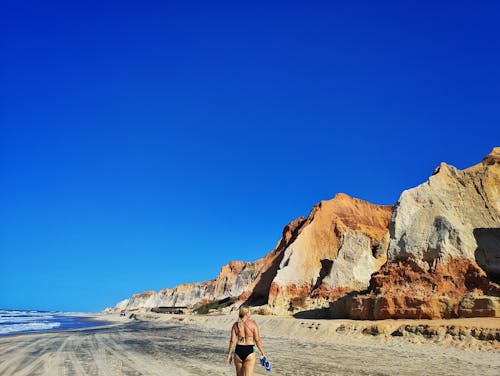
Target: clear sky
x: 144, y: 145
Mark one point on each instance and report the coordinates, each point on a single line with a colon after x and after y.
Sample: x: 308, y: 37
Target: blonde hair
x: 242, y: 313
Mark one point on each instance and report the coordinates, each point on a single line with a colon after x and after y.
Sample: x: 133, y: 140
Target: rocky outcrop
x: 191, y: 294
x: 332, y: 251
x: 247, y: 281
x: 444, y: 249
x: 436, y: 254
x: 342, y: 242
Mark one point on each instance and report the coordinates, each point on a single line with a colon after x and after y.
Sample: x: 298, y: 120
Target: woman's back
x: 245, y: 332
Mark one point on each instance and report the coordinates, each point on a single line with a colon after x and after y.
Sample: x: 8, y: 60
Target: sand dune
x: 194, y: 345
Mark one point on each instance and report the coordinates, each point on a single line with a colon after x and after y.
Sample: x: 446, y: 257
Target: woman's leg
x: 249, y: 364
x: 239, y: 366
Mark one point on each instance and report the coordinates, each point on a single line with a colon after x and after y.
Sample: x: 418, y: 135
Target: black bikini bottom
x: 243, y: 351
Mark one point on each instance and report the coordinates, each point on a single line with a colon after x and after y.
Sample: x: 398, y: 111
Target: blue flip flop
x: 265, y: 363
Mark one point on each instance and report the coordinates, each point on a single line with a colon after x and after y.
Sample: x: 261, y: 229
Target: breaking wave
x: 17, y: 321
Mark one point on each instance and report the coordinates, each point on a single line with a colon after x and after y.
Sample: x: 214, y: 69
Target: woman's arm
x: 258, y: 341
x: 232, y: 341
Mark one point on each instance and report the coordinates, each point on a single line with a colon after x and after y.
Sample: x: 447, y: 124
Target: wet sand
x: 193, y: 345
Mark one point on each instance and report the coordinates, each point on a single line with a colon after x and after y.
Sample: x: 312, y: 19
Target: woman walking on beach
x: 245, y: 334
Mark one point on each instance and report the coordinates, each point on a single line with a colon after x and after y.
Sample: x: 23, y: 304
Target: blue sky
x: 145, y: 145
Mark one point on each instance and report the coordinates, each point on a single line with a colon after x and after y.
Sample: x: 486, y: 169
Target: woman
x: 245, y: 333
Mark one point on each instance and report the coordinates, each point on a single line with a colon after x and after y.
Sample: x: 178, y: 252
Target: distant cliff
x: 436, y: 253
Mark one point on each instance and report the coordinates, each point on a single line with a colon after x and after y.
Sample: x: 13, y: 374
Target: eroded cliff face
x: 190, y: 294
x: 332, y: 251
x: 436, y: 254
x: 341, y: 244
x: 245, y: 281
x: 444, y: 249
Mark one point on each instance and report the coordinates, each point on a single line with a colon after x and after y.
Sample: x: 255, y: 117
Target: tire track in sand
x: 75, y: 364
x: 172, y: 348
x: 22, y: 353
x: 137, y: 359
x: 133, y: 363
x: 55, y: 364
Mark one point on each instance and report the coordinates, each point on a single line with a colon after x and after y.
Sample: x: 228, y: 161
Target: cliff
x: 435, y: 254
x: 444, y: 249
x: 310, y: 265
x: 244, y: 281
x: 341, y: 243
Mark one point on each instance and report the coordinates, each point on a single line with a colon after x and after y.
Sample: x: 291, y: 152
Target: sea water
x: 18, y: 321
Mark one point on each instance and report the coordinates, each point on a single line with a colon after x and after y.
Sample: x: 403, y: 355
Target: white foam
x: 24, y: 313
x: 18, y: 312
x: 23, y: 316
x: 5, y: 329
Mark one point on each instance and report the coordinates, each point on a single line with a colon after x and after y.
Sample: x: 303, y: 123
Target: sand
x: 197, y: 345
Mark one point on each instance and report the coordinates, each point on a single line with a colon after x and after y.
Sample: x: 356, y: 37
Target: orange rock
x: 412, y: 290
x: 341, y: 243
x: 443, y: 248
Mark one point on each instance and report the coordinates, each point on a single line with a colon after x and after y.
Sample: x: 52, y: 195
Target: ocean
x: 18, y: 321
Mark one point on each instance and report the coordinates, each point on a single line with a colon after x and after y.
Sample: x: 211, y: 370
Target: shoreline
x: 478, y: 333
x: 94, y: 321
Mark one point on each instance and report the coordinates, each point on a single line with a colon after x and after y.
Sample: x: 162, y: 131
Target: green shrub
x: 218, y: 304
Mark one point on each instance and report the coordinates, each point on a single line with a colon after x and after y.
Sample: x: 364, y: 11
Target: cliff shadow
x: 326, y: 268
x: 260, y: 293
x: 338, y: 309
x: 487, y: 253
x: 319, y: 313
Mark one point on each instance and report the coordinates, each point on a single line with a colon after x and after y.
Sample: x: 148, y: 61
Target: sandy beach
x: 196, y: 345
